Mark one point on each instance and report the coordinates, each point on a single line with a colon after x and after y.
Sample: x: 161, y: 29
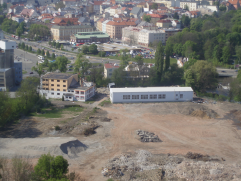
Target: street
x: 30, y: 59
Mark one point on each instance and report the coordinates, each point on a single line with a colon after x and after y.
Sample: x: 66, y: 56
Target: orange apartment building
x: 114, y: 28
x: 99, y: 24
x: 58, y: 85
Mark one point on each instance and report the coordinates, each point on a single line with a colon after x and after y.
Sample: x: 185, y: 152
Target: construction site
x: 199, y: 140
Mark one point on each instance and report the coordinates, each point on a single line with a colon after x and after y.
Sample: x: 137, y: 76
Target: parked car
x: 31, y: 73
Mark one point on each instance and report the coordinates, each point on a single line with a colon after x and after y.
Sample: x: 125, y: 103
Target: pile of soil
x: 198, y: 111
x: 236, y: 114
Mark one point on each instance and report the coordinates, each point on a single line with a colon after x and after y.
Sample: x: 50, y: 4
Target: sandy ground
x: 179, y: 134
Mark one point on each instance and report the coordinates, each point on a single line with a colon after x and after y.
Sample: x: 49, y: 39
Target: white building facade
x: 192, y: 5
x: 146, y: 37
x: 151, y: 94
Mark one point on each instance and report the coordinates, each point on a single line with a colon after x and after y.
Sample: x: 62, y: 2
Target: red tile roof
x: 98, y: 2
x: 154, y: 15
x: 110, y: 65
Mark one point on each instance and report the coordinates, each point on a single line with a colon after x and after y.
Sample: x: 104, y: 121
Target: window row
x: 57, y: 85
x: 151, y: 96
x: 52, y: 80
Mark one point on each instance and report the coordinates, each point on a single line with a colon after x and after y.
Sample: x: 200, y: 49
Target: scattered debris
x: 146, y: 136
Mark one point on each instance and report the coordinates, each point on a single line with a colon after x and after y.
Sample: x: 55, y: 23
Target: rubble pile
x: 146, y: 136
x: 128, y: 162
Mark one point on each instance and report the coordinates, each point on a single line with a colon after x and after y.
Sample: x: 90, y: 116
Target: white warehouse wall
x: 170, y: 96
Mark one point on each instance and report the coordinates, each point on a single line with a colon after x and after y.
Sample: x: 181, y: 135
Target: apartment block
x: 7, y: 70
x: 192, y: 5
x: 64, y: 32
x: 58, y: 85
x: 151, y: 36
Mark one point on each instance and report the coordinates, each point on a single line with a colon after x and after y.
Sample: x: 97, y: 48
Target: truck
x: 13, y: 36
x: 16, y: 37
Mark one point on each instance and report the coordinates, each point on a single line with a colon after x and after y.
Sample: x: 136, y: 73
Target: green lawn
x: 24, y: 72
x: 57, y: 112
x: 105, y: 102
x: 172, y: 61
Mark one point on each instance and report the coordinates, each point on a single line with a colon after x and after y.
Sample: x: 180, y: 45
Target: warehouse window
x: 181, y: 95
x: 135, y: 96
x: 153, y: 96
x: 144, y: 96
x: 126, y: 96
x: 58, y: 93
x: 162, y: 96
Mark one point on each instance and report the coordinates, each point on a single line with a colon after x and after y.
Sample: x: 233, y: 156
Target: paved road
x: 29, y: 60
x: 227, y: 72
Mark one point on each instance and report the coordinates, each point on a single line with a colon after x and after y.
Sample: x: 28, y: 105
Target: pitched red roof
x: 98, y: 3
x: 154, y: 15
x: 110, y: 65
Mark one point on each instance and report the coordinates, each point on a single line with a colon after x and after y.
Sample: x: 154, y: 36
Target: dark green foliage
x: 50, y: 167
x: 43, y: 52
x: 47, y: 54
x: 62, y: 63
x: 154, y: 6
x: 38, y: 31
x: 93, y: 49
x: 60, y: 4
x: 159, y: 61
x: 9, y: 25
x: 176, y: 16
x: 53, y: 55
x: 101, y: 54
x: 38, y: 51
x: 146, y: 18
x: 139, y: 60
x: 85, y: 49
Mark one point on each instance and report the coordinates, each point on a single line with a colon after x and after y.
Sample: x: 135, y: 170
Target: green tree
x: 43, y: 52
x: 30, y: 49
x: 81, y: 65
x: 4, y: 5
x: 101, y: 54
x: 38, y: 69
x: 57, y: 45
x: 72, y: 49
x: 1, y: 19
x: 9, y: 25
x: 60, y: 5
x: 62, y: 47
x: 201, y: 76
x: 159, y: 61
x: 176, y: 16
x: 50, y: 167
x: 54, y: 43
x: 188, y: 48
x: 185, y: 20
x: 139, y: 60
x: 23, y: 46
x: 38, y: 51
x: 93, y: 49
x: 79, y: 50
x: 226, y: 54
x: 50, y: 43
x: 53, y: 56
x: 238, y: 52
x: 85, y: 49
x: 48, y: 54
x: 154, y: 6
x: 146, y: 18
x: 168, y: 52
x: 62, y: 63
x: 26, y: 47
x: 38, y: 31
x: 186, y: 7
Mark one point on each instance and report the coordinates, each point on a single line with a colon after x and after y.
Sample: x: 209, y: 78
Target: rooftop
x: 57, y: 76
x: 71, y: 27
x: 110, y: 65
x: 151, y: 89
x: 87, y: 35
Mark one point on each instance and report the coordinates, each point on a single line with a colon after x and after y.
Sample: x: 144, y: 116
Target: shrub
x: 89, y: 131
x: 57, y: 128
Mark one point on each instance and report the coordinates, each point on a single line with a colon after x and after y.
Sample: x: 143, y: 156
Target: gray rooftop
x: 57, y: 76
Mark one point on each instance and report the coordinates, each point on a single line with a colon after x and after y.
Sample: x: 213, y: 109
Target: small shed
x: 151, y: 94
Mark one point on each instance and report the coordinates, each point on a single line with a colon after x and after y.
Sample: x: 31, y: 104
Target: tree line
x: 215, y: 38
x: 27, y: 100
x: 48, y: 168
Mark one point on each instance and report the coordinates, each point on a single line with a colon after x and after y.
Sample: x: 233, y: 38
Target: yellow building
x: 67, y: 86
x: 164, y: 23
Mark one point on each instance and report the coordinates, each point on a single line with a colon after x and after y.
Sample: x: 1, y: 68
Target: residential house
x: 70, y: 2
x: 176, y: 24
x: 84, y: 21
x: 164, y: 23
x: 135, y: 71
x: 165, y: 3
x: 154, y: 18
x: 67, y: 86
x: 146, y: 25
x: 97, y: 5
x: 137, y: 12
x: 99, y: 24
x: 232, y: 5
x: 113, y: 10
x: 29, y: 13
x: 170, y: 32
x: 191, y: 5
x: 64, y: 32
x: 109, y: 69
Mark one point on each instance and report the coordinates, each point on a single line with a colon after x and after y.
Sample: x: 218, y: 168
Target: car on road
x: 223, y: 71
x: 38, y: 41
x: 53, y: 50
x: 31, y: 73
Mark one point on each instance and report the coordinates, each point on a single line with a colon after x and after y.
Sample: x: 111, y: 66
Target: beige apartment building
x: 164, y: 23
x: 109, y: 69
x: 114, y: 28
x: 99, y: 24
x: 67, y: 86
x: 192, y: 5
x: 64, y: 32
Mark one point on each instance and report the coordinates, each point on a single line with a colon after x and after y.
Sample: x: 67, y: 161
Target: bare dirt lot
x: 206, y: 129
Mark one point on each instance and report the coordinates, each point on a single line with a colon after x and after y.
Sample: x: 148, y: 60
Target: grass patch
x: 24, y: 72
x: 147, y: 60
x: 56, y: 113
x: 105, y: 102
x: 173, y: 61
x: 94, y: 110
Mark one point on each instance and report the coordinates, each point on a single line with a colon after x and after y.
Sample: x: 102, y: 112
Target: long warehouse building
x: 151, y: 94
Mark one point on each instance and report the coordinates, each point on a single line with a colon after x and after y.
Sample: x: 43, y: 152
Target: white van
x: 41, y: 57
